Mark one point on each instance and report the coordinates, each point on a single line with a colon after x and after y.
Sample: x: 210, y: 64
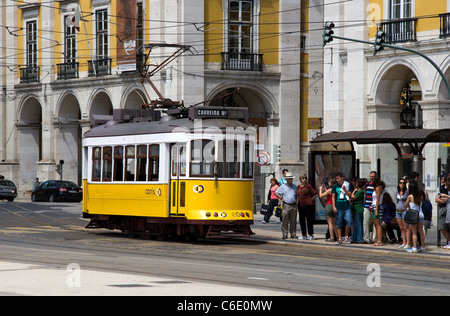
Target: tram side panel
x: 144, y: 200
x: 219, y: 200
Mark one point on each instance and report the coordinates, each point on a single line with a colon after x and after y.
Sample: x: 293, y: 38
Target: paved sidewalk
x: 271, y: 232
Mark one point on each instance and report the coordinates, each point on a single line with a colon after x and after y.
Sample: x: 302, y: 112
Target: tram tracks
x: 296, y: 269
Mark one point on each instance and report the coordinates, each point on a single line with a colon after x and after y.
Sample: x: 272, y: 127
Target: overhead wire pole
x: 328, y: 36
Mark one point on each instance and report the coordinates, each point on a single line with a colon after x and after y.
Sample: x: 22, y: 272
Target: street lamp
x: 408, y: 113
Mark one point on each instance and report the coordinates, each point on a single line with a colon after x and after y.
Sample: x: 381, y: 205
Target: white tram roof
x: 182, y: 125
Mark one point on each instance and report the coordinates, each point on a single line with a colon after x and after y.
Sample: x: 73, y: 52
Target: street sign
x: 262, y: 159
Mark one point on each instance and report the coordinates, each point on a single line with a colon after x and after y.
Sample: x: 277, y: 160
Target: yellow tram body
x: 148, y: 177
x: 229, y: 199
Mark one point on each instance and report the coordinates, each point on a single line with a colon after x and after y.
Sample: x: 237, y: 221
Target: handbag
x: 263, y: 209
x: 411, y: 216
x: 278, y: 211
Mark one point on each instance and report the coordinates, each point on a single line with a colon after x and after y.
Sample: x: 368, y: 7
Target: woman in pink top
x: 329, y: 213
x: 272, y: 200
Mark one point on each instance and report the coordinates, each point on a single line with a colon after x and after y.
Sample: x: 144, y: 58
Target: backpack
x: 427, y: 209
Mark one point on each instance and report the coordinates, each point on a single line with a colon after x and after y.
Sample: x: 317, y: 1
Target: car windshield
x: 7, y: 183
x: 67, y: 184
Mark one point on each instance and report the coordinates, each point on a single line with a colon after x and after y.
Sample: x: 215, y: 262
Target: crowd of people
x: 361, y: 210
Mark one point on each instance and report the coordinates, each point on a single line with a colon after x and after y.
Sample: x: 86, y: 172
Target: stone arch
x: 29, y: 129
x: 68, y: 136
x: 100, y: 103
x: 256, y: 97
x: 68, y: 107
x: 390, y: 80
x: 439, y: 85
x: 133, y: 98
x: 263, y: 112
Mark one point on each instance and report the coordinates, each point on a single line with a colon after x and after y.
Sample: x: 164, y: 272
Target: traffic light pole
x: 404, y: 49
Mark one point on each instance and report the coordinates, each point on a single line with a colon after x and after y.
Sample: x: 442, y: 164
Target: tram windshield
x: 233, y: 159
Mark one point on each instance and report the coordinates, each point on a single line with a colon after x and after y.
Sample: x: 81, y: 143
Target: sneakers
x: 412, y: 249
x: 310, y: 237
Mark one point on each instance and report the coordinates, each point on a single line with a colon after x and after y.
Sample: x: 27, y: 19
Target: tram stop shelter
x: 415, y: 138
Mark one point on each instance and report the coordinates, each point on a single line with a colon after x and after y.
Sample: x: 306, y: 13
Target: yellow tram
x: 189, y: 173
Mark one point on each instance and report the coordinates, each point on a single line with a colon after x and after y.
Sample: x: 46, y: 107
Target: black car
x: 8, y: 190
x: 57, y: 190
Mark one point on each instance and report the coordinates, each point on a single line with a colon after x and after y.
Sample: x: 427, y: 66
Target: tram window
x: 118, y: 163
x: 107, y: 164
x: 141, y: 163
x: 174, y: 161
x: 248, y: 160
x: 130, y: 157
x: 202, y: 157
x: 96, y: 163
x: 153, y: 163
x: 182, y: 161
x: 228, y: 159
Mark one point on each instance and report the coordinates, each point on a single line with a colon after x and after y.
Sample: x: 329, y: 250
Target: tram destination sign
x: 212, y: 113
x: 203, y: 112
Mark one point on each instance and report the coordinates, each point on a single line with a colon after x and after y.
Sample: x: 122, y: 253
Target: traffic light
x: 380, y: 38
x: 277, y: 153
x: 328, y: 33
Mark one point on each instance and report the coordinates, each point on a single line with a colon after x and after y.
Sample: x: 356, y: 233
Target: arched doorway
x: 397, y: 106
x: 30, y: 143
x: 263, y: 113
x: 69, y: 138
x: 134, y: 99
x: 101, y: 104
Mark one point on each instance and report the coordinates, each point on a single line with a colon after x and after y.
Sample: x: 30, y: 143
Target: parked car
x: 57, y: 190
x: 8, y: 190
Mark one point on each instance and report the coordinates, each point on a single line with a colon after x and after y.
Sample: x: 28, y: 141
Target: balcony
x: 68, y: 71
x: 30, y: 74
x: 400, y: 30
x: 445, y: 25
x: 102, y: 67
x: 241, y: 61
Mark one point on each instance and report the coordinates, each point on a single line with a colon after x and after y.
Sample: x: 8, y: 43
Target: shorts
x: 344, y: 215
x: 375, y: 216
x: 400, y: 215
x: 442, y: 224
x: 329, y: 211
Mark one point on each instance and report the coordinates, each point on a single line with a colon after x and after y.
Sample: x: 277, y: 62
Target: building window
x: 401, y: 27
x: 101, y: 66
x: 101, y: 32
x: 240, y: 27
x: 241, y: 53
x: 30, y: 73
x: 69, y: 69
x: 31, y: 44
x: 401, y: 9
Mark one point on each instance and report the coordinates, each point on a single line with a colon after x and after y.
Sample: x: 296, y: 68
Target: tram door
x: 178, y: 180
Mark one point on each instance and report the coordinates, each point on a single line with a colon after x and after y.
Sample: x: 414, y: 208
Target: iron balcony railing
x: 400, y: 30
x: 102, y: 67
x: 445, y: 25
x: 30, y: 74
x: 242, y: 61
x: 68, y: 71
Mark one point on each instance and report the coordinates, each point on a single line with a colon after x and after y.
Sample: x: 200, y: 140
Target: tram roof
x: 156, y: 127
